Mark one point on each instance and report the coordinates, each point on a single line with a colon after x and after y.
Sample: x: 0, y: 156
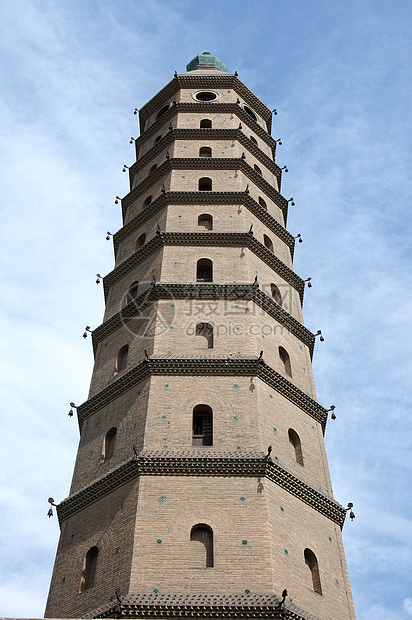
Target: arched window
x: 153, y: 168
x: 205, y: 184
x: 312, y: 563
x: 162, y: 111
x: 201, y: 546
x: 253, y: 139
x: 205, y: 221
x: 204, y: 270
x: 258, y: 170
x: 262, y: 203
x: 109, y: 443
x: 157, y: 139
x: 268, y: 242
x: 141, y: 241
x: 89, y: 569
x: 205, y: 151
x: 205, y: 123
x: 202, y: 434
x: 276, y: 294
x: 147, y: 201
x: 132, y: 292
x: 250, y: 112
x: 121, y: 360
x: 204, y: 336
x: 294, y: 440
x: 284, y: 356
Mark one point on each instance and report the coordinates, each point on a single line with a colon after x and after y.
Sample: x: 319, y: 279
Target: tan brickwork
x: 246, y: 413
x: 154, y: 190
x: 166, y: 565
x: 107, y: 524
x: 184, y: 218
x: 192, y: 121
x: 226, y: 218
x: 144, y: 273
x: 255, y: 527
x: 128, y: 247
x: 144, y: 172
x: 231, y: 265
x: 186, y: 96
x: 294, y: 529
x: 222, y: 180
x: 137, y: 206
x: 128, y: 415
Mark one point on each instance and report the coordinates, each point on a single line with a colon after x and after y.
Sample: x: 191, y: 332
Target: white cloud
x: 388, y: 612
x: 407, y: 606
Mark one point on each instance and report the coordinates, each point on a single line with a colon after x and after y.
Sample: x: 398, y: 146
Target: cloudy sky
x: 339, y: 74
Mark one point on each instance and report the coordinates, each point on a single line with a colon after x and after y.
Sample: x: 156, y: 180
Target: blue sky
x: 339, y: 74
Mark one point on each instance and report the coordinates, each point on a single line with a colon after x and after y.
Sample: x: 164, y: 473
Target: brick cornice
x: 244, y: 240
x: 200, y: 290
x: 204, y: 82
x: 206, y: 198
x: 205, y: 163
x: 197, y: 605
x: 176, y: 365
x: 167, y: 464
x: 205, y: 135
x: 225, y: 108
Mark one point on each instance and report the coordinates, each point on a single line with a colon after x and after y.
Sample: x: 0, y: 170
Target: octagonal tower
x: 201, y: 486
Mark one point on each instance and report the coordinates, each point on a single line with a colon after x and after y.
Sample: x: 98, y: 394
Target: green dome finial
x: 206, y: 60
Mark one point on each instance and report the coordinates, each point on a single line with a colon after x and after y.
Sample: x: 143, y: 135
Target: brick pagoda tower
x: 201, y: 486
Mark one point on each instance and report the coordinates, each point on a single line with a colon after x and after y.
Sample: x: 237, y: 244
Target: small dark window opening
x: 147, y: 201
x: 295, y: 442
x: 109, y: 443
x: 204, y: 271
x: 201, y: 546
x: 121, y: 361
x: 89, y: 569
x: 157, y: 139
x: 205, y: 151
x: 262, y: 203
x: 253, y: 139
x: 257, y: 169
x: 204, y: 336
x: 205, y: 96
x: 205, y: 184
x: 205, y: 221
x: 153, y: 168
x: 205, y: 123
x: 276, y: 294
x: 284, y: 356
x: 202, y: 426
x: 268, y: 242
x: 140, y: 241
x: 132, y: 292
x: 162, y: 111
x: 250, y: 112
x: 312, y: 563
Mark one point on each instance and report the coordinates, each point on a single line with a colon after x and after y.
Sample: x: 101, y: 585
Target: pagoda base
x: 191, y: 606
